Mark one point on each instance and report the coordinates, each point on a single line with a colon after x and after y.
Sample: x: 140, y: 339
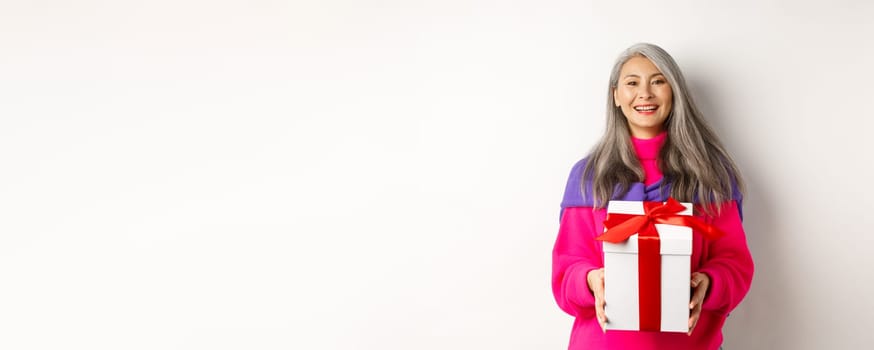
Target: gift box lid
x: 674, y: 240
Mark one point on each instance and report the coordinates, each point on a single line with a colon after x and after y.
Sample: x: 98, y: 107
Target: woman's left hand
x: 700, y: 283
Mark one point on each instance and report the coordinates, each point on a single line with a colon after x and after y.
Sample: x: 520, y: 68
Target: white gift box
x: 621, y: 274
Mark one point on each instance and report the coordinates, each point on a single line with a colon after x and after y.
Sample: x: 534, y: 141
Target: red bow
x: 621, y: 226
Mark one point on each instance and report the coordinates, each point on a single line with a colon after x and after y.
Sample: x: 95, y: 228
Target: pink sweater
x: 727, y: 261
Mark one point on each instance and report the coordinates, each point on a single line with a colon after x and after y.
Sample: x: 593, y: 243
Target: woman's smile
x: 647, y: 109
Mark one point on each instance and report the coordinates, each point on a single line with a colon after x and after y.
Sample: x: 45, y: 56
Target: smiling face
x: 644, y: 96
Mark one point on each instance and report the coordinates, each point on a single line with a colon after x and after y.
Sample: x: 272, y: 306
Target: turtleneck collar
x: 648, y: 149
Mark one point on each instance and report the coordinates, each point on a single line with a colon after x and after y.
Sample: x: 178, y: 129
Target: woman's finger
x: 699, y: 285
x: 693, y: 321
x: 596, y: 284
x: 599, y: 312
x: 699, y: 282
x: 694, y: 314
x: 600, y: 303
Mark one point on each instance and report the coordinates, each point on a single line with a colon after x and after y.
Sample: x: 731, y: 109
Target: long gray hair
x: 692, y: 159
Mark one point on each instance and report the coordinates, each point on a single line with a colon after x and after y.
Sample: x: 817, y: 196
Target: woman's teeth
x: 645, y: 108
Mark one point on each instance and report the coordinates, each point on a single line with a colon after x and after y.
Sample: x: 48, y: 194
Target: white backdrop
x: 386, y: 174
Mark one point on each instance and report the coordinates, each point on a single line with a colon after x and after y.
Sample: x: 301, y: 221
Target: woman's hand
x: 700, y: 283
x: 595, y: 278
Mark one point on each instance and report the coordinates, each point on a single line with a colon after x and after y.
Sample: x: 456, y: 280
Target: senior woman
x: 656, y: 145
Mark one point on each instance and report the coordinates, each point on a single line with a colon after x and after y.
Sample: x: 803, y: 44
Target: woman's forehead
x: 639, y: 66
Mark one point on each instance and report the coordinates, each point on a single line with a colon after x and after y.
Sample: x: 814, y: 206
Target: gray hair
x: 692, y: 159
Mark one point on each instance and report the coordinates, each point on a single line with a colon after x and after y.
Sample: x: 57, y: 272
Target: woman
x: 656, y: 145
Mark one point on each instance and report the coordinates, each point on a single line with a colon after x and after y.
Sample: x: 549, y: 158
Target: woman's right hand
x: 595, y: 278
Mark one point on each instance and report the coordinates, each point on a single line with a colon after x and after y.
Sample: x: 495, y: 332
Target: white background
x: 387, y: 174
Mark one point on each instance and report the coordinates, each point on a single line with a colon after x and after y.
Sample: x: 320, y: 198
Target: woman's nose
x: 645, y: 92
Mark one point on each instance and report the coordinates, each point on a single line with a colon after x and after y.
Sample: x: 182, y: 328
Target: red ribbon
x: 621, y: 226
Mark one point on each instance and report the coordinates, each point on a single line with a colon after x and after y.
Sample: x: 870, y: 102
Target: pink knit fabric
x: 648, y: 153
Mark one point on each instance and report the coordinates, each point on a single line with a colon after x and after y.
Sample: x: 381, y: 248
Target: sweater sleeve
x: 575, y: 254
x: 729, y: 263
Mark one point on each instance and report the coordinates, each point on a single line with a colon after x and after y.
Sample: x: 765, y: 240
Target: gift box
x: 646, y: 276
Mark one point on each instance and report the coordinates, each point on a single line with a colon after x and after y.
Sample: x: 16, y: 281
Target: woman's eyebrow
x: 637, y: 76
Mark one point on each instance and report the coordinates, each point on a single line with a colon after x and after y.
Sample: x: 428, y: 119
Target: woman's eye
x: 658, y: 81
x: 631, y: 83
